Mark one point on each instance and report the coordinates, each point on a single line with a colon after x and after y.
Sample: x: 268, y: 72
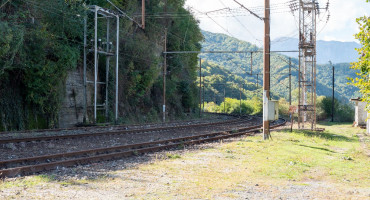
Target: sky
x: 341, y: 25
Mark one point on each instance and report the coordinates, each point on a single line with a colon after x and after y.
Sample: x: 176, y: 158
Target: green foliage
x: 217, y: 80
x: 283, y: 107
x: 42, y: 40
x: 235, y: 106
x: 342, y: 112
x: 141, y: 69
x: 240, y: 65
x: 38, y: 49
x: 362, y: 66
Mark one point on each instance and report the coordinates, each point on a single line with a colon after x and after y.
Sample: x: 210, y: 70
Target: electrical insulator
x: 110, y: 46
x: 99, y: 43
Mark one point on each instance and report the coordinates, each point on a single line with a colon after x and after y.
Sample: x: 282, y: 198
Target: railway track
x: 102, y: 127
x: 24, y: 166
x: 116, y: 131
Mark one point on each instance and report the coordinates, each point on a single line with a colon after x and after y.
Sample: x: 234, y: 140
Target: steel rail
x: 115, y: 132
x: 104, y: 154
x: 94, y: 126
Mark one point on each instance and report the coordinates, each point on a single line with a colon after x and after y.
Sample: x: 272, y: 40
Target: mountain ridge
x: 335, y: 51
x: 239, y: 64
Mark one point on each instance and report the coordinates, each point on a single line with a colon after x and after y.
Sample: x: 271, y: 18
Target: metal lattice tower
x: 308, y: 10
x: 101, y: 53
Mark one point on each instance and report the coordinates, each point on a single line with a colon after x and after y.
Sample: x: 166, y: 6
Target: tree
x: 363, y: 63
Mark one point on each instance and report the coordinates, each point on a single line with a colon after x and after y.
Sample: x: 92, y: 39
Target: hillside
x: 337, y: 52
x: 36, y: 60
x: 239, y: 64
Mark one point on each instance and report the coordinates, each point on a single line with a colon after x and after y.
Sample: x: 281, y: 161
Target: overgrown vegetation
x: 41, y: 41
x: 342, y: 112
x: 362, y: 66
x: 218, y: 80
x: 235, y: 106
x: 38, y: 47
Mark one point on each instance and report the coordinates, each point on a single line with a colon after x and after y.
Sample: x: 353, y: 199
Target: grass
x: 334, y: 156
x: 27, y: 182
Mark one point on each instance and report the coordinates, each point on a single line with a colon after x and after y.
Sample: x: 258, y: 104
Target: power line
x: 4, y: 3
x: 242, y: 25
x: 251, y: 12
x: 124, y: 14
x: 215, y: 22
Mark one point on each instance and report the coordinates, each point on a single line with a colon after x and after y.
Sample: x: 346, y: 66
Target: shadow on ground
x: 324, y: 135
x: 318, y: 148
x: 108, y: 170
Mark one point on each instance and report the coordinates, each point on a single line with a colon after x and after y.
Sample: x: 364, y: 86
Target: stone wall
x: 71, y: 111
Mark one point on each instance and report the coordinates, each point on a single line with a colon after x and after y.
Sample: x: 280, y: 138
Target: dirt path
x: 365, y: 141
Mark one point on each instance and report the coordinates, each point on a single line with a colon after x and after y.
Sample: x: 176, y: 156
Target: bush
x: 233, y: 106
x: 342, y: 112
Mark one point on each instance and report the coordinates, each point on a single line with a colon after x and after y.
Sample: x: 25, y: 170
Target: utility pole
x: 266, y: 72
x: 251, y: 63
x: 143, y: 14
x: 290, y: 81
x: 240, y: 101
x: 164, y: 75
x: 165, y: 65
x: 200, y: 87
x: 203, y: 93
x: 95, y: 61
x: 107, y: 73
x: 224, y: 98
x: 332, y: 103
x: 117, y: 66
x: 85, y: 68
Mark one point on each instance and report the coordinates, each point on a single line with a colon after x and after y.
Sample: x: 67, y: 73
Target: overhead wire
x: 215, y: 22
x: 4, y: 3
x: 242, y: 24
x: 124, y: 14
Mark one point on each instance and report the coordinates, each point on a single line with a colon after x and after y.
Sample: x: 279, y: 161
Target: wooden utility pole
x: 143, y: 14
x: 266, y: 73
x: 164, y: 75
x: 200, y: 87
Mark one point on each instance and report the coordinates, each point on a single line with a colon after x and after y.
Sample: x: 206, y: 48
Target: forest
x: 232, y: 73
x: 41, y: 41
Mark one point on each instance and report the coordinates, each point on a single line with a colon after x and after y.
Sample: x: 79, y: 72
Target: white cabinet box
x: 273, y: 108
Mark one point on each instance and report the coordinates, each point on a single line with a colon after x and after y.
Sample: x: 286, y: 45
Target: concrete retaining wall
x: 71, y: 111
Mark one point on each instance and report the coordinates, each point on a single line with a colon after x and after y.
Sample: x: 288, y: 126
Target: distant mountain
x: 337, y: 52
x: 239, y: 64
